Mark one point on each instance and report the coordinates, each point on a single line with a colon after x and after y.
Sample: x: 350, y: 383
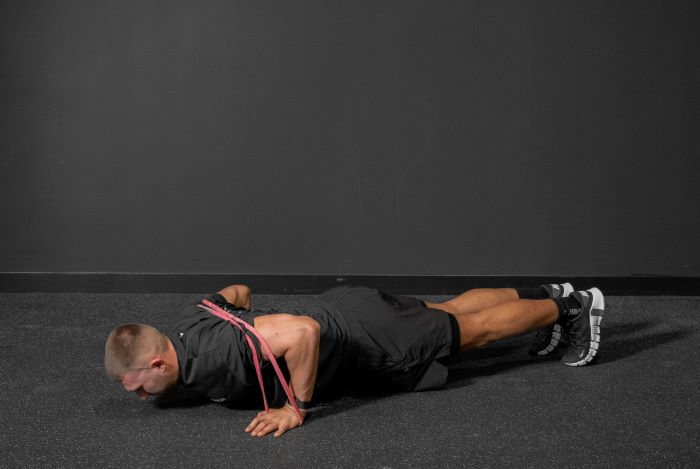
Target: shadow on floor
x: 620, y: 341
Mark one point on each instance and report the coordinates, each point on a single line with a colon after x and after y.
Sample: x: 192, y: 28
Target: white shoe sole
x: 553, y: 342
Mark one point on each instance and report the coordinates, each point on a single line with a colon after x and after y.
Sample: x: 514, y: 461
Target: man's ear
x: 157, y: 362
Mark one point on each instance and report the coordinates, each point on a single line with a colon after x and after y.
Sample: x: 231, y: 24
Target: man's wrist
x: 299, y: 414
x: 303, y: 405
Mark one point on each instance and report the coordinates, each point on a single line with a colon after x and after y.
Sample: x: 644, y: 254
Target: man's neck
x: 171, y: 359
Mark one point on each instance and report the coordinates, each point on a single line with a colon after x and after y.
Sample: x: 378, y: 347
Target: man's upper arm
x: 284, y: 331
x: 297, y: 339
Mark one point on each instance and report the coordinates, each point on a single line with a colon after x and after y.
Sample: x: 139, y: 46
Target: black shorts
x: 395, y: 340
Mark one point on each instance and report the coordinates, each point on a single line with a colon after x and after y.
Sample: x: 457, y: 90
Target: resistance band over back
x: 243, y: 326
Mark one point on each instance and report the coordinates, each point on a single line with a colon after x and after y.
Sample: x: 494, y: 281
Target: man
x: 348, y: 335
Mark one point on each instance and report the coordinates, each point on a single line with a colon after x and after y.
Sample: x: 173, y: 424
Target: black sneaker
x: 548, y: 338
x: 582, y: 327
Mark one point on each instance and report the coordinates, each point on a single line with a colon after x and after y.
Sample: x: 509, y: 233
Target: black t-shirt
x: 215, y: 359
x: 368, y: 339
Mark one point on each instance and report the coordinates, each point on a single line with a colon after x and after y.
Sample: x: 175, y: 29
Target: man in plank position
x: 349, y: 333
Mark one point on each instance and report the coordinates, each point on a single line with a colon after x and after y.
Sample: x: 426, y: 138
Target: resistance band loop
x: 240, y: 324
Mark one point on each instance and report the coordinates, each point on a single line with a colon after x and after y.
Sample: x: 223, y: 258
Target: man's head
x: 142, y: 359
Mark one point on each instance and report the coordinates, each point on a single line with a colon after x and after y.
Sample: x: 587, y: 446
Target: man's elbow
x: 310, y: 328
x: 238, y: 295
x: 242, y: 290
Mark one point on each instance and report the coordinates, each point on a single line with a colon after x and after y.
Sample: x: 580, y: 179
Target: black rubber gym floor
x: 637, y: 406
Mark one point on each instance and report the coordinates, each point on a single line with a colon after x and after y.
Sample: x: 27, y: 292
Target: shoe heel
x: 597, y: 298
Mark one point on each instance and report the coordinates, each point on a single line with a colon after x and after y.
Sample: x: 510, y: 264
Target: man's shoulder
x: 195, y: 321
x: 200, y: 332
x: 186, y: 317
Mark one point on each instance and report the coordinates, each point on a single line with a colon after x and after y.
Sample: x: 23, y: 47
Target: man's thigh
x: 446, y: 307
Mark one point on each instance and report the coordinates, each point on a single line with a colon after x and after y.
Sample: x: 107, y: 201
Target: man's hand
x: 282, y: 419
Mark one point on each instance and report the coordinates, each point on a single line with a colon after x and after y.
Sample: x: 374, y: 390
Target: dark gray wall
x: 460, y: 138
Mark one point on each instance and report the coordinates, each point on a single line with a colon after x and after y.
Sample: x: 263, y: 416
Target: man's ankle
x: 568, y: 306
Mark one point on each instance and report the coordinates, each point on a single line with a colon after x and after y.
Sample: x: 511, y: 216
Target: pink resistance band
x: 223, y: 314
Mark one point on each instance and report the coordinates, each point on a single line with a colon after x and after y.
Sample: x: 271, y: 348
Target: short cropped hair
x: 127, y: 343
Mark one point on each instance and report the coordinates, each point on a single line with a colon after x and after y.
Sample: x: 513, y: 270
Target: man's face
x: 149, y: 379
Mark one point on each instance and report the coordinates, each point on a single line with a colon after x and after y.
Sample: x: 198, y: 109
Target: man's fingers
x: 264, y: 430
x: 258, y: 419
x: 256, y: 424
x: 259, y: 426
x: 280, y: 431
x: 251, y: 425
